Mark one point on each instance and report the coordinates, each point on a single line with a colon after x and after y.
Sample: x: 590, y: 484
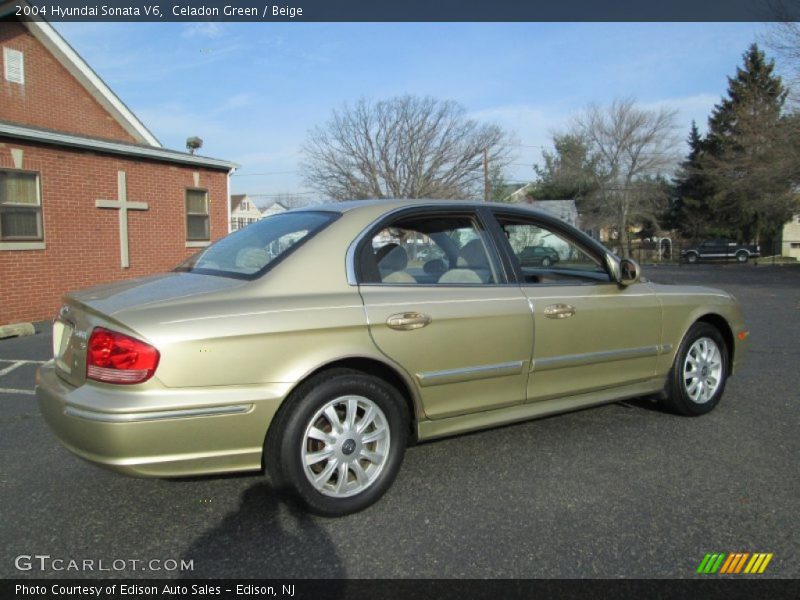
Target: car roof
x: 353, y: 205
x: 379, y: 207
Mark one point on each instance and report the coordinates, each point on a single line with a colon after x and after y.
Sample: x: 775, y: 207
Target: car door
x: 589, y: 332
x: 716, y: 249
x: 452, y: 322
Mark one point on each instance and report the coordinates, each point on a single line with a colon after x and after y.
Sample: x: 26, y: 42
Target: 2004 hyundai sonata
x: 316, y: 343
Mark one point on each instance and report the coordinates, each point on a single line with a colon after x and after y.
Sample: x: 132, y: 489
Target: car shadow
x: 644, y: 402
x: 270, y: 536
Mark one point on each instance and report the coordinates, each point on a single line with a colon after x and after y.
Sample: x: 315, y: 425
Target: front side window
x: 428, y: 250
x: 197, y: 229
x: 249, y: 252
x: 544, y: 255
x: 20, y: 206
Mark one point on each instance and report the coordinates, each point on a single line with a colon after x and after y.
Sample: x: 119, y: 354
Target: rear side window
x: 428, y: 250
x: 250, y: 252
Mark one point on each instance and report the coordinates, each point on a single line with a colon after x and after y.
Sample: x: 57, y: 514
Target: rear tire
x: 742, y: 257
x: 698, y: 376
x: 338, y: 441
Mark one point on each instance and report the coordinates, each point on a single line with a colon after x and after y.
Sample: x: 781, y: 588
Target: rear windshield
x: 251, y: 251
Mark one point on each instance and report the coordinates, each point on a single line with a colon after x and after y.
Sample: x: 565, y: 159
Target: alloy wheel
x: 345, y: 446
x: 702, y: 370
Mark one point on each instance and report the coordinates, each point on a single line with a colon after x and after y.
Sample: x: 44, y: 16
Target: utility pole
x: 486, y: 174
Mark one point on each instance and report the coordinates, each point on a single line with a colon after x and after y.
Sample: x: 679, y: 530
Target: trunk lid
x: 113, y: 305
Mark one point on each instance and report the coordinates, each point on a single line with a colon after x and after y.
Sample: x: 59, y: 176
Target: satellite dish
x: 193, y: 143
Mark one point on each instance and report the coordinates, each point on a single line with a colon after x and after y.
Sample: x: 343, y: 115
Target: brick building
x: 87, y: 194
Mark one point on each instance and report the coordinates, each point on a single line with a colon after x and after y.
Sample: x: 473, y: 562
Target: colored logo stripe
x: 758, y: 563
x: 734, y: 563
x: 711, y: 563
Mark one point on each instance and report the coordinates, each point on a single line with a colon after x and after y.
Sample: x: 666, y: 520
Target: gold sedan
x: 316, y: 343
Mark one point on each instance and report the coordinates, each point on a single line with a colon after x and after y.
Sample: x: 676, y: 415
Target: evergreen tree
x: 498, y: 186
x: 749, y: 155
x: 568, y: 173
x: 690, y: 211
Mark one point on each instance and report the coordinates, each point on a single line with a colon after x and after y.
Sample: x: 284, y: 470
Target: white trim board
x: 67, y: 139
x: 47, y: 35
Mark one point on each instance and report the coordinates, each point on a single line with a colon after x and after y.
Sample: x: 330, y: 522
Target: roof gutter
x: 75, y: 141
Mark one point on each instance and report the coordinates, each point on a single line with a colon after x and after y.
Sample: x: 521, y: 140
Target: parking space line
x: 17, y: 364
x: 23, y: 361
x: 10, y: 391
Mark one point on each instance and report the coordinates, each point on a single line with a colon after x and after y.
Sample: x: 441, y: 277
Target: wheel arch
x: 377, y: 368
x: 721, y: 324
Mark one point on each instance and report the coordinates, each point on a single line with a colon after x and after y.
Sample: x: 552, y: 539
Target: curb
x: 16, y: 330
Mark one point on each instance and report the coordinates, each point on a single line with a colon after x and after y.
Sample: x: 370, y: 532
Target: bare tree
x: 783, y: 38
x: 289, y: 199
x: 403, y: 147
x: 630, y: 148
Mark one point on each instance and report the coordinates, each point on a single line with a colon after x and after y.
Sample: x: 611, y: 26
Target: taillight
x: 117, y: 358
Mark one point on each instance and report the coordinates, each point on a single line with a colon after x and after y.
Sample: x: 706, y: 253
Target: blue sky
x: 252, y: 90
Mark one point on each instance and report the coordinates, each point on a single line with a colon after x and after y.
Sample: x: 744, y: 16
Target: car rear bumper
x: 191, y: 432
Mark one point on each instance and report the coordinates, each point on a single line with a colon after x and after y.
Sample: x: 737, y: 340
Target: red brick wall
x: 50, y: 97
x: 82, y: 241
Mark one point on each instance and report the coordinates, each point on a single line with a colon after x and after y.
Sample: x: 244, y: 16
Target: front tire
x: 691, y: 258
x: 698, y: 376
x: 546, y: 261
x: 338, y: 442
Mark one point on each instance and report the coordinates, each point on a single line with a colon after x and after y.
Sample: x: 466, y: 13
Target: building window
x: 14, y: 63
x: 238, y: 223
x: 795, y: 245
x: 20, y: 206
x: 197, y: 228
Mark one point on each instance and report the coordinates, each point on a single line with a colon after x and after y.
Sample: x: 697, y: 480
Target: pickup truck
x: 721, y: 249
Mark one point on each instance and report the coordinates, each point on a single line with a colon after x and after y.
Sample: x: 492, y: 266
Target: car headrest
x: 472, y: 255
x: 391, y: 257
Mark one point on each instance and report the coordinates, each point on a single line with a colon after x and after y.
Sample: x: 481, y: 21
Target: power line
x: 522, y: 146
x: 282, y: 195
x: 265, y: 173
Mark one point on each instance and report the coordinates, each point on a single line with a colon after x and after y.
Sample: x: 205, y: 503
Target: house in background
x: 790, y: 238
x: 243, y: 211
x: 566, y: 210
x: 273, y: 208
x: 87, y: 194
x: 517, y: 193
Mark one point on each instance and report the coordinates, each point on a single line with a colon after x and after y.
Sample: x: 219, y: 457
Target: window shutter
x: 14, y: 65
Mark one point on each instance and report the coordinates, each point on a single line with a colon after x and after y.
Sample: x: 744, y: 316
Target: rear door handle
x: 559, y: 311
x: 408, y: 321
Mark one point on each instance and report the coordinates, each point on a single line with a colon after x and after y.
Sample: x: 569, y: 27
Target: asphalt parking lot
x: 624, y: 490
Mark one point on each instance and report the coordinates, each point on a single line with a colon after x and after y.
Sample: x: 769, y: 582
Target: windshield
x: 251, y: 251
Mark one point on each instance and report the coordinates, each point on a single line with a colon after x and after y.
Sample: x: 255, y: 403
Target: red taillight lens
x: 117, y: 358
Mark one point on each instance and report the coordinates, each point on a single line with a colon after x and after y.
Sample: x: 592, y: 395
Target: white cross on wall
x: 123, y: 206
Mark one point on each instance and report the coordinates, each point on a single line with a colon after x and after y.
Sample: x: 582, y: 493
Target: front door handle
x: 408, y: 321
x: 559, y: 311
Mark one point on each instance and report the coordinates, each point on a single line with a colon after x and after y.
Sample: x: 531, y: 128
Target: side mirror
x: 629, y: 272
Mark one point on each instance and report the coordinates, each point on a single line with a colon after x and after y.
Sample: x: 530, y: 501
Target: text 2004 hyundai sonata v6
x: 316, y: 343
